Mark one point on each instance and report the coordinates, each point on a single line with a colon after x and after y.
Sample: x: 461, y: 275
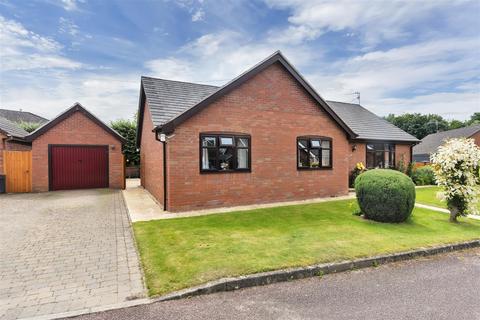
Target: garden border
x: 264, y: 278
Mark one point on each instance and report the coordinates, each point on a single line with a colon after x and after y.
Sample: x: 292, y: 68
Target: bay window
x: 380, y: 155
x: 314, y: 153
x: 224, y: 152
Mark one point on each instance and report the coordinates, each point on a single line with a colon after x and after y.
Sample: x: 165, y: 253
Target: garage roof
x: 67, y: 113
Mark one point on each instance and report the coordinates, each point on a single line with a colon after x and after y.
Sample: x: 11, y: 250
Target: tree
x: 474, y: 119
x: 419, y: 125
x: 455, y: 124
x: 456, y: 167
x: 128, y: 130
x: 28, y: 126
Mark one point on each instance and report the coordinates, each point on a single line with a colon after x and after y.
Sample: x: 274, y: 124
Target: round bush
x: 385, y: 195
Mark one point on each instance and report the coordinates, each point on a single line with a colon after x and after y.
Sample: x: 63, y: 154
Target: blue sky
x: 403, y: 56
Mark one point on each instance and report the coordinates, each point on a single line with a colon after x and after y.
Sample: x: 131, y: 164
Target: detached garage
x: 76, y: 151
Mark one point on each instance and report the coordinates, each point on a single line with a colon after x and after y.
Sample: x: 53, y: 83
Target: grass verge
x: 180, y: 253
x: 428, y: 195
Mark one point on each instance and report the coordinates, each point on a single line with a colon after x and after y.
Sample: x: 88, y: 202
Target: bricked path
x: 65, y: 251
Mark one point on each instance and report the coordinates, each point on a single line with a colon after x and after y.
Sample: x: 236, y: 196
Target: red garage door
x: 78, y: 167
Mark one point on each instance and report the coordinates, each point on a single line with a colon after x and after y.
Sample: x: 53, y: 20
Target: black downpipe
x: 164, y: 176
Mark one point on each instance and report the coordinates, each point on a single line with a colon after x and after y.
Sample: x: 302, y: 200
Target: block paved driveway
x: 65, y: 251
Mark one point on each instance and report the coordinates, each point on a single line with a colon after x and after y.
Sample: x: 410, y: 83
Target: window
x: 224, y: 153
x: 314, y: 153
x: 380, y: 155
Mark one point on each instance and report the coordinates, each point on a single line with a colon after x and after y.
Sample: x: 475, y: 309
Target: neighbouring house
x: 11, y: 139
x: 266, y: 136
x: 430, y: 144
x: 19, y: 116
x: 75, y: 150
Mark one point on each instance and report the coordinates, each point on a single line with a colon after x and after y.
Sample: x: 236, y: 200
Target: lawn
x: 180, y: 253
x: 428, y: 195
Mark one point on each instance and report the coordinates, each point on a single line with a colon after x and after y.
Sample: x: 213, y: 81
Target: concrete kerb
x: 264, y: 278
x: 135, y: 244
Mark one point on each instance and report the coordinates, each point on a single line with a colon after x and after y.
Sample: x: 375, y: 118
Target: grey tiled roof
x: 21, y: 116
x: 167, y: 99
x: 368, y: 125
x: 11, y: 128
x: 431, y: 142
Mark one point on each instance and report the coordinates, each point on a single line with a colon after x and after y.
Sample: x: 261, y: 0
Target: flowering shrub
x: 359, y: 168
x: 456, y: 168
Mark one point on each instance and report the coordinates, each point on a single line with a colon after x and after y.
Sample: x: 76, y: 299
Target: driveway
x: 441, y: 287
x: 65, y: 251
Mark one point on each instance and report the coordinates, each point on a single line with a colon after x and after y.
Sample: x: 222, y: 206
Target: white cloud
x: 218, y: 57
x: 68, y: 26
x: 23, y: 49
x: 374, y: 21
x: 450, y: 105
x: 424, y: 73
x: 428, y: 65
x: 293, y: 35
x: 37, y: 77
x: 199, y: 15
x: 109, y: 96
x: 70, y: 5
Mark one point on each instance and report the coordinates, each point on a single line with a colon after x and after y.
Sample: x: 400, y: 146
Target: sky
x: 402, y: 56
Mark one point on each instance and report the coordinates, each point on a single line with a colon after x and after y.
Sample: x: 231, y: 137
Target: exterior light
x: 162, y: 137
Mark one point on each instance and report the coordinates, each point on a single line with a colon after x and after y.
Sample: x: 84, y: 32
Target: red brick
x: 274, y: 110
x: 76, y: 129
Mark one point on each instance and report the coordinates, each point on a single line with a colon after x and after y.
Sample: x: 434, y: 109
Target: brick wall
x: 2, y: 147
x: 151, y: 159
x: 476, y: 137
x: 402, y: 152
x: 13, y: 146
x: 76, y: 129
x: 357, y: 155
x: 274, y: 110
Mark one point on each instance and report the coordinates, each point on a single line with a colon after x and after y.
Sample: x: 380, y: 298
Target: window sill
x: 320, y: 168
x: 225, y: 171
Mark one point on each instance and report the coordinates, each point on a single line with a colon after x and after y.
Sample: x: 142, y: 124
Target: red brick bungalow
x: 266, y: 136
x: 75, y: 150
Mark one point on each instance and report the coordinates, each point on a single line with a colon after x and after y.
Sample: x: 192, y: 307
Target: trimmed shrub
x: 423, y: 176
x: 385, y: 195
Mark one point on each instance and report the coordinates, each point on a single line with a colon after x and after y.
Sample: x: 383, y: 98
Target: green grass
x: 180, y: 253
x: 428, y: 195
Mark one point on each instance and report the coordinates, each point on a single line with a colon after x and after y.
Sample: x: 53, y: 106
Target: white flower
x: 456, y: 168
